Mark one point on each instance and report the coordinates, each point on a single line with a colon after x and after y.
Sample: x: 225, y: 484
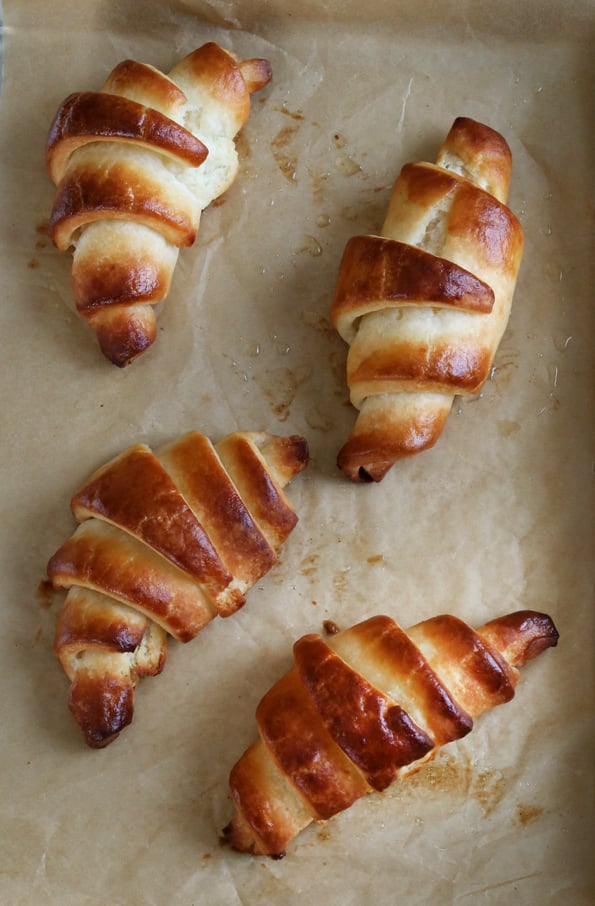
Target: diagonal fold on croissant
x: 365, y: 707
x: 166, y: 541
x: 134, y: 165
x: 424, y: 305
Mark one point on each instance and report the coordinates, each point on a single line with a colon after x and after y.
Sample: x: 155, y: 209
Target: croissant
x: 134, y: 165
x: 424, y: 305
x: 364, y: 708
x: 166, y: 541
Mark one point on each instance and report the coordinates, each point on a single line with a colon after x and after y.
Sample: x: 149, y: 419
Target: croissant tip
x: 372, y: 472
x: 99, y: 742
x: 124, y: 337
x: 256, y: 74
x: 230, y: 837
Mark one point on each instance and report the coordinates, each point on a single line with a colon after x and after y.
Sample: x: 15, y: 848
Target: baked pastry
x: 424, y: 305
x: 166, y: 541
x: 134, y: 166
x: 365, y: 707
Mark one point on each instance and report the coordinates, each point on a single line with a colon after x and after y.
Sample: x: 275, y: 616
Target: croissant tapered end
x: 360, y: 466
x: 134, y: 165
x: 124, y: 332
x: 479, y: 152
x: 256, y: 73
x: 388, y: 430
x: 424, y: 305
x: 222, y: 79
x: 239, y: 836
x: 521, y: 636
x: 102, y: 707
x: 366, y: 707
x: 286, y: 457
x: 104, y: 647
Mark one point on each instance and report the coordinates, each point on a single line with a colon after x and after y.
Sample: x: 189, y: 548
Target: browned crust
x: 377, y: 273
x: 478, y: 675
x: 257, y: 486
x: 222, y: 76
x: 242, y: 549
x: 123, y: 568
x: 376, y: 734
x: 115, y: 630
x: 102, y: 706
x: 521, y: 636
x: 484, y: 149
x: 474, y: 214
x: 87, y: 194
x: 104, y: 648
x: 440, y: 368
x: 304, y: 750
x: 118, y: 280
x: 119, y: 492
x: 370, y: 450
x: 124, y: 331
x: 140, y: 80
x: 142, y: 563
x: 260, y: 825
x: 324, y: 724
x: 138, y: 106
x: 93, y: 116
x: 391, y: 646
x: 285, y: 457
x: 457, y: 208
x: 256, y: 73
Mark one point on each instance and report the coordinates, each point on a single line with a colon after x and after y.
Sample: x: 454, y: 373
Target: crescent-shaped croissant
x: 134, y: 165
x: 166, y: 541
x: 365, y: 707
x: 424, y: 305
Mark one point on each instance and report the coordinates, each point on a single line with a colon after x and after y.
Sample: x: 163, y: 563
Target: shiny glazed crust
x: 365, y: 707
x: 134, y: 165
x: 423, y: 306
x: 166, y: 541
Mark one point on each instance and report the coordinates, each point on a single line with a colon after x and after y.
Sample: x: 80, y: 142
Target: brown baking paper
x: 496, y: 517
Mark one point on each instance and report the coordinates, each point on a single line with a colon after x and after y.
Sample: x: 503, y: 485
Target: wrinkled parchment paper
x: 497, y: 517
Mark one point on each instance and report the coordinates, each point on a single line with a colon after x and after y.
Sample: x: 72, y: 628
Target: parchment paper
x: 497, y: 517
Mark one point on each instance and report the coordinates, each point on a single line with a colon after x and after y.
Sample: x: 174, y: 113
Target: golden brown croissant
x: 424, y: 306
x: 166, y: 541
x: 365, y: 707
x: 135, y: 164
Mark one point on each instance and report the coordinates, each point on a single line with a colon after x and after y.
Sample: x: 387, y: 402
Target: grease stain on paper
x: 319, y: 185
x: 527, y: 813
x: 280, y: 386
x: 337, y: 350
x: 456, y: 775
x: 243, y: 146
x: 309, y: 565
x: 346, y: 165
x: 285, y: 157
x: 43, y: 231
x: 46, y: 594
x: 319, y: 421
x: 310, y: 245
x: 294, y: 114
x: 506, y: 428
x: 340, y: 581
